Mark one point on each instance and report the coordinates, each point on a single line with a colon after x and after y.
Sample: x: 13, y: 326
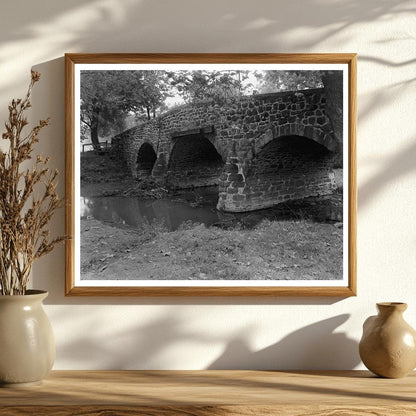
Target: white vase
x: 27, y: 346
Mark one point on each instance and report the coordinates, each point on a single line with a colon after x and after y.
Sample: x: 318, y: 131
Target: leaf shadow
x: 316, y: 346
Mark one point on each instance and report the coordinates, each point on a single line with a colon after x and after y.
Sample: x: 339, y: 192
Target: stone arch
x: 314, y: 133
x: 194, y: 161
x: 207, y: 131
x: 145, y: 160
x: 286, y: 168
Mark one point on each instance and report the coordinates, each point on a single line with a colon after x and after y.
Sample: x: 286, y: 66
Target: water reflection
x: 134, y: 211
x: 199, y: 206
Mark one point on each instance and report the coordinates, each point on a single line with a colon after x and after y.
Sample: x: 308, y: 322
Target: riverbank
x: 255, y: 248
x: 271, y: 251
x: 103, y: 175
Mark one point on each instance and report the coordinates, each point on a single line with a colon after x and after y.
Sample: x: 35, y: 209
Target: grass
x: 289, y: 250
x: 98, y: 168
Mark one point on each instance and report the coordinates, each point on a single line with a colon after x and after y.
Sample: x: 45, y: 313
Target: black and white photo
x: 212, y: 175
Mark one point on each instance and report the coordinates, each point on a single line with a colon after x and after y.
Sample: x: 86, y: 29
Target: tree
x: 333, y: 83
x: 99, y: 101
x: 147, y: 91
x: 108, y: 96
x: 272, y: 81
x: 221, y: 86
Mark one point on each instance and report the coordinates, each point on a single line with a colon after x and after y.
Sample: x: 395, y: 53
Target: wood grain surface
x: 203, y: 393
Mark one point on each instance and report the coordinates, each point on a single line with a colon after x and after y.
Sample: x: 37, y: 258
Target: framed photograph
x: 211, y: 174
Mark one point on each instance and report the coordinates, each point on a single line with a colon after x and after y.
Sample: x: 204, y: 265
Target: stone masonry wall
x: 128, y: 143
x: 238, y: 132
x: 290, y: 168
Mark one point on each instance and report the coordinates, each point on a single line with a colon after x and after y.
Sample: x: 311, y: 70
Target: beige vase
x: 388, y: 345
x: 27, y: 346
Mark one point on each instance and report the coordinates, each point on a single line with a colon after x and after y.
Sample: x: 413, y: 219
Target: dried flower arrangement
x: 28, y: 200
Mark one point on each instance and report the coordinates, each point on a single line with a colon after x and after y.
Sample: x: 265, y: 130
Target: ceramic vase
x: 388, y: 345
x: 27, y: 346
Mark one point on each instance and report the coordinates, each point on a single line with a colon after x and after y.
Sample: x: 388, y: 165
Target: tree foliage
x: 145, y: 92
x: 99, y: 103
x: 272, y: 81
x: 108, y: 96
x: 220, y: 86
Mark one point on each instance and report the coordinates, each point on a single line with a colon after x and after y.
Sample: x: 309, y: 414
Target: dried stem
x: 24, y: 217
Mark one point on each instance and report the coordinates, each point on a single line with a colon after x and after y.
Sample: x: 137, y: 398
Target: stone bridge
x: 260, y: 150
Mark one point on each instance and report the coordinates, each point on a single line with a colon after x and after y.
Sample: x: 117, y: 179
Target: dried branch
x: 24, y: 217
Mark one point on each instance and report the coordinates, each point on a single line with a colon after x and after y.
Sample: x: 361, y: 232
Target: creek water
x: 198, y: 206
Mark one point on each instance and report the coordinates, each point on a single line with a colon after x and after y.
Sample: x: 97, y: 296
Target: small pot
x: 27, y: 346
x: 388, y: 345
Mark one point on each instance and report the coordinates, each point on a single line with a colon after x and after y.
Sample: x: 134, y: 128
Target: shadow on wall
x: 141, y: 347
x: 116, y: 25
x: 313, y: 347
x: 302, y: 349
x: 401, y: 164
x: 119, y: 21
x: 109, y: 25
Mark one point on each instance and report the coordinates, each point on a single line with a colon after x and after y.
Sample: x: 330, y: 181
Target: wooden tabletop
x: 203, y: 393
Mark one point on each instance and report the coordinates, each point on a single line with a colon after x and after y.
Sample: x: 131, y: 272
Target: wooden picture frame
x: 311, y: 117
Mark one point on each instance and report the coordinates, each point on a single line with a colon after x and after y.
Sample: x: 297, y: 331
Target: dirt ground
x: 273, y: 250
x: 290, y: 250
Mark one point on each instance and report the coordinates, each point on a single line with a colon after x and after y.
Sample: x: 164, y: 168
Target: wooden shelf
x: 211, y: 393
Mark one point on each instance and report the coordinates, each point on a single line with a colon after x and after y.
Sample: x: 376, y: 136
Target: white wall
x: 234, y: 333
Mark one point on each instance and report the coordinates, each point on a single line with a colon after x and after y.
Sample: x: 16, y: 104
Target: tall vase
x: 388, y: 345
x: 27, y: 346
